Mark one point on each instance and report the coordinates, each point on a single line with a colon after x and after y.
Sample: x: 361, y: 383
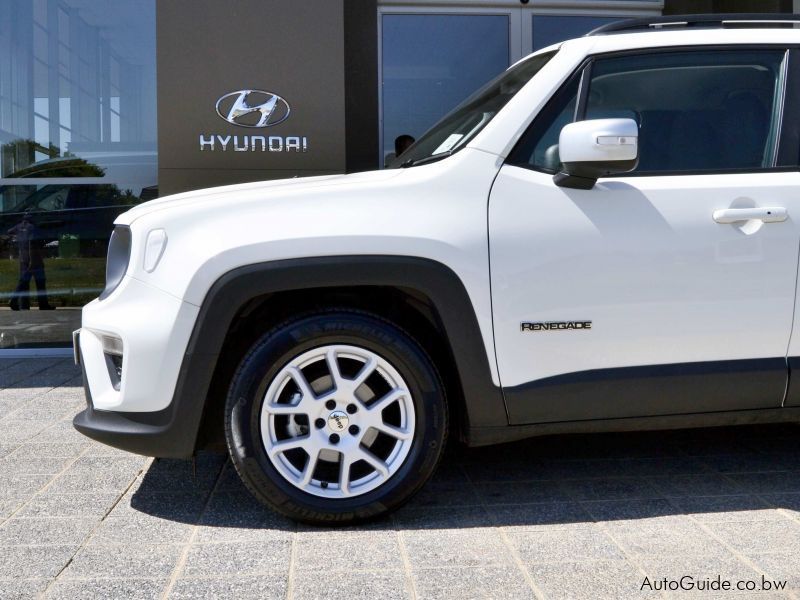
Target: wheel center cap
x: 338, y: 421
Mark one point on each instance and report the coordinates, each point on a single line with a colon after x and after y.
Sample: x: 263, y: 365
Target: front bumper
x: 169, y: 433
x: 143, y: 407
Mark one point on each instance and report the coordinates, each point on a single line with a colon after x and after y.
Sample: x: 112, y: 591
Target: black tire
x: 290, y: 339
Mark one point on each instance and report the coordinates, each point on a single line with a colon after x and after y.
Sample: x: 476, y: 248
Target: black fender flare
x: 174, y: 431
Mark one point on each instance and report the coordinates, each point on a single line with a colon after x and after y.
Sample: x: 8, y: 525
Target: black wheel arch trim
x: 173, y: 431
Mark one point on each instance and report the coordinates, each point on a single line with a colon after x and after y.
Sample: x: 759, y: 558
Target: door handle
x: 773, y: 214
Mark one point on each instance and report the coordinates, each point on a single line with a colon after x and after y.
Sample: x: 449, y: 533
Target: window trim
x: 787, y: 144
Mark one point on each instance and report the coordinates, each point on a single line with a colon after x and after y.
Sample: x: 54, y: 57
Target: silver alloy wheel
x: 337, y: 421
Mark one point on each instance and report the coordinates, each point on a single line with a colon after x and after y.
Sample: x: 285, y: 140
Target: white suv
x: 602, y: 238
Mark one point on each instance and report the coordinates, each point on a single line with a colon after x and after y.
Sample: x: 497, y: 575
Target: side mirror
x: 596, y: 148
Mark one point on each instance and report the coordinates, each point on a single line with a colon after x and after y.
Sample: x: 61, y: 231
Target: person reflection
x: 401, y: 144
x: 31, y: 265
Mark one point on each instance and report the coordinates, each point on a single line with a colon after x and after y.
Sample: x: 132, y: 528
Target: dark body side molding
x: 173, y: 431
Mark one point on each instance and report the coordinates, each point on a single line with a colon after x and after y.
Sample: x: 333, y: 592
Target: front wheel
x: 335, y: 417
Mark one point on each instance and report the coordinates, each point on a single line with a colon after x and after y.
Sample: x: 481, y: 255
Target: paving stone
x: 661, y: 466
x: 727, y: 509
x: 355, y: 586
x: 560, y: 545
x: 449, y: 473
x: 174, y: 476
x: 48, y: 406
x: 747, y: 462
x: 144, y: 530
x: 10, y: 505
x: 669, y: 539
x: 780, y: 567
x: 232, y: 516
x: 707, y: 484
x: 521, y: 492
x: 642, y: 511
x: 98, y: 450
x: 369, y: 550
x: 256, y: 533
x: 513, y: 471
x: 698, y: 569
x: 760, y: 537
x: 55, y: 450
x: 17, y: 463
x: 216, y: 560
x: 48, y: 504
x: 769, y: 483
x: 17, y: 431
x: 50, y: 378
x: 12, y: 375
x: 5, y: 363
x: 236, y: 509
x: 544, y: 515
x: 45, y: 532
x: 610, y: 489
x: 790, y: 503
x: 128, y: 462
x: 13, y: 486
x: 261, y: 587
x: 495, y: 583
x: 185, y: 507
x: 458, y: 517
x: 30, y: 562
x: 22, y: 589
x: 431, y: 549
x: 131, y: 561
x: 75, y: 481
x: 597, y: 580
x: 102, y: 589
x: 59, y: 433
x: 229, y: 480
x: 445, y: 494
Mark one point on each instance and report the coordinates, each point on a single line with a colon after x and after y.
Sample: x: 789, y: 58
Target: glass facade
x: 77, y: 147
x: 551, y: 29
x: 432, y: 62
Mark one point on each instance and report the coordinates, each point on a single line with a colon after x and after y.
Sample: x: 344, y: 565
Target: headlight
x: 119, y: 254
x: 154, y: 249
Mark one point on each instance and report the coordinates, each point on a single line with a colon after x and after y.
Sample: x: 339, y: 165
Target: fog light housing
x: 112, y: 352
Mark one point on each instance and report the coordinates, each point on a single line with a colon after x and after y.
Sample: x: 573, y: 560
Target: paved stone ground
x: 561, y: 517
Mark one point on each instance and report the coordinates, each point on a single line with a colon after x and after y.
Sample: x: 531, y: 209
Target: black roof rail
x: 721, y: 21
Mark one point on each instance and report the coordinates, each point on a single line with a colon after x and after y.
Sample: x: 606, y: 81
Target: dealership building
x: 108, y: 103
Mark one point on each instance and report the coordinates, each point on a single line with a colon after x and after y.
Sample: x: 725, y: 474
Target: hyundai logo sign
x: 253, y: 108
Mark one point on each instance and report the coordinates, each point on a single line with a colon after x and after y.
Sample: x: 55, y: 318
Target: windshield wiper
x: 428, y: 159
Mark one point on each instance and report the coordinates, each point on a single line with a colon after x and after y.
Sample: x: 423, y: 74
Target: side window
x: 697, y: 111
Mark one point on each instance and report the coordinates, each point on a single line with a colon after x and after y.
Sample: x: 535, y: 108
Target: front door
x: 653, y: 293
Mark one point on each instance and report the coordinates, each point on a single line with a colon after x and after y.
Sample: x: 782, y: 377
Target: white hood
x: 228, y: 194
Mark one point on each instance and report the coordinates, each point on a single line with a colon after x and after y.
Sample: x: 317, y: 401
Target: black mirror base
x: 562, y: 179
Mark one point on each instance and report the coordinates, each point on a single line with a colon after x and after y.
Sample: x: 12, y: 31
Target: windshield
x: 455, y: 130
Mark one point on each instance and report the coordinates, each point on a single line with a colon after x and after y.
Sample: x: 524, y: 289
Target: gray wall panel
x: 208, y: 48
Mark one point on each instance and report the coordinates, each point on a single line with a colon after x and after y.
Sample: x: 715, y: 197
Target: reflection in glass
x: 431, y: 63
x: 551, y: 29
x: 77, y: 148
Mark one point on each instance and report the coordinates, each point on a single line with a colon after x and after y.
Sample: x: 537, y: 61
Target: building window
x: 77, y: 148
x: 431, y: 62
x: 552, y: 29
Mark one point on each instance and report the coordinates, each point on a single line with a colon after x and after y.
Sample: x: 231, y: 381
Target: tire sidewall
x: 270, y: 354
